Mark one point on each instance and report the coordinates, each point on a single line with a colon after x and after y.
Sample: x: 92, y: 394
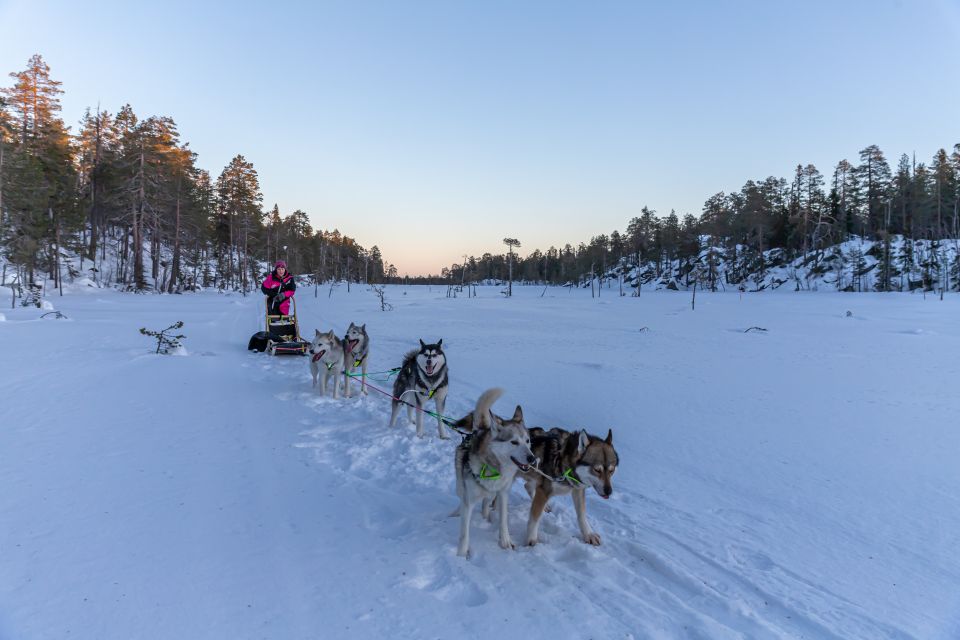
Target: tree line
x: 769, y: 221
x: 124, y: 201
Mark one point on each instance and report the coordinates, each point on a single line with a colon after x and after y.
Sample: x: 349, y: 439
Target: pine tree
x: 239, y: 204
x: 875, y: 176
x: 39, y: 177
x: 944, y: 192
x: 34, y: 99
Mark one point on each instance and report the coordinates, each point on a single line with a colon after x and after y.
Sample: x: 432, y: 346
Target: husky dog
x: 326, y: 360
x: 356, y: 348
x: 574, y: 461
x: 486, y: 464
x: 423, y: 375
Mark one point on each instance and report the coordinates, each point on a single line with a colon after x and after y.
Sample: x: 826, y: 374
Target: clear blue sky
x: 434, y: 129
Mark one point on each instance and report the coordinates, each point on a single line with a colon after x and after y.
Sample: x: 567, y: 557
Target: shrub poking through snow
x: 166, y: 343
x: 384, y: 305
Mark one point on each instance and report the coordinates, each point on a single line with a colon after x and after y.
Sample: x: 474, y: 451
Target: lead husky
x: 574, y: 461
x: 326, y: 359
x: 423, y: 375
x: 486, y: 464
x: 356, y: 348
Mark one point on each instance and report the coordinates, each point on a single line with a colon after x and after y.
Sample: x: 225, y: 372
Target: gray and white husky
x: 356, y: 348
x: 326, y: 360
x: 486, y: 463
x: 422, y: 376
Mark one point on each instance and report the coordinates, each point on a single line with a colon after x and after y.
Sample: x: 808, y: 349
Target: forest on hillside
x: 125, y: 198
x: 908, y: 215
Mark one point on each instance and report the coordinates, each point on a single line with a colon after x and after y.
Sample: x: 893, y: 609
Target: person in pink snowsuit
x: 279, y: 287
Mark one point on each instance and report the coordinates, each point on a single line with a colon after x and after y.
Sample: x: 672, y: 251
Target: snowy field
x: 801, y: 482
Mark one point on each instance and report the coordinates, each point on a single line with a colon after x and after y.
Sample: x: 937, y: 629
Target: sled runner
x: 282, y: 335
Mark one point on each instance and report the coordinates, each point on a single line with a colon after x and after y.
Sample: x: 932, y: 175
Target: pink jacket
x: 285, y: 286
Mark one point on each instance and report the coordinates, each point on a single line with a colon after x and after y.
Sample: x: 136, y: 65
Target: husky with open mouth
x: 486, y: 463
x: 422, y: 376
x: 326, y: 360
x: 356, y: 349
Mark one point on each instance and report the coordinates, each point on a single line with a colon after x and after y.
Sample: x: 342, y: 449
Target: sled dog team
x: 496, y: 451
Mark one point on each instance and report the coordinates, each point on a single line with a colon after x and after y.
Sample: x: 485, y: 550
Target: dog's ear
x: 440, y: 342
x: 609, y: 439
x: 363, y: 327
x: 518, y: 414
x: 583, y: 442
x: 318, y: 332
x: 422, y: 343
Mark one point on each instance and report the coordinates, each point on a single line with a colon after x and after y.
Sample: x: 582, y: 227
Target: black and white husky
x: 486, y: 464
x: 326, y: 360
x: 356, y: 349
x: 423, y: 376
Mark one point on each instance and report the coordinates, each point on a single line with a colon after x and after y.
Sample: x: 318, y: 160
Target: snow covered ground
x: 798, y: 482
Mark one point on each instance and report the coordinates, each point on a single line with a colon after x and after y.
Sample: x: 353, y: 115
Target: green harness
x: 485, y: 473
x: 568, y: 476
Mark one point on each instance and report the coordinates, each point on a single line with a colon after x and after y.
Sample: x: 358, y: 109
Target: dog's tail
x: 481, y: 415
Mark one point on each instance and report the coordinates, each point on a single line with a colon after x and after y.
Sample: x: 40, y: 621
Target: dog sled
x: 282, y: 334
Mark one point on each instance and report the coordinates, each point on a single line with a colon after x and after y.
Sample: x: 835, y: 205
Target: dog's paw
x: 444, y: 436
x: 592, y: 538
x: 532, y: 542
x: 547, y: 508
x: 508, y: 544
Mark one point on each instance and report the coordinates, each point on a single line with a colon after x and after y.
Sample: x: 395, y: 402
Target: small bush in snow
x: 384, y: 305
x: 165, y: 343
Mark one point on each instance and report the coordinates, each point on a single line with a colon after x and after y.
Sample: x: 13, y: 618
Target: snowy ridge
x: 854, y: 265
x: 81, y: 274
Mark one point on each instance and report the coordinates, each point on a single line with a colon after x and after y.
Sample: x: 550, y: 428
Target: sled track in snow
x: 652, y: 573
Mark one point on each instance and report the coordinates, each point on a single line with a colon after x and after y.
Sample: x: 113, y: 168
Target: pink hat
x: 280, y: 263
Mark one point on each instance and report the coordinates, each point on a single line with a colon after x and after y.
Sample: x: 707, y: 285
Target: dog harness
x: 359, y: 361
x: 485, y: 473
x: 569, y: 477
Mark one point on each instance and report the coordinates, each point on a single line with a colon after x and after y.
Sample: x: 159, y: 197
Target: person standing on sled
x: 279, y: 287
